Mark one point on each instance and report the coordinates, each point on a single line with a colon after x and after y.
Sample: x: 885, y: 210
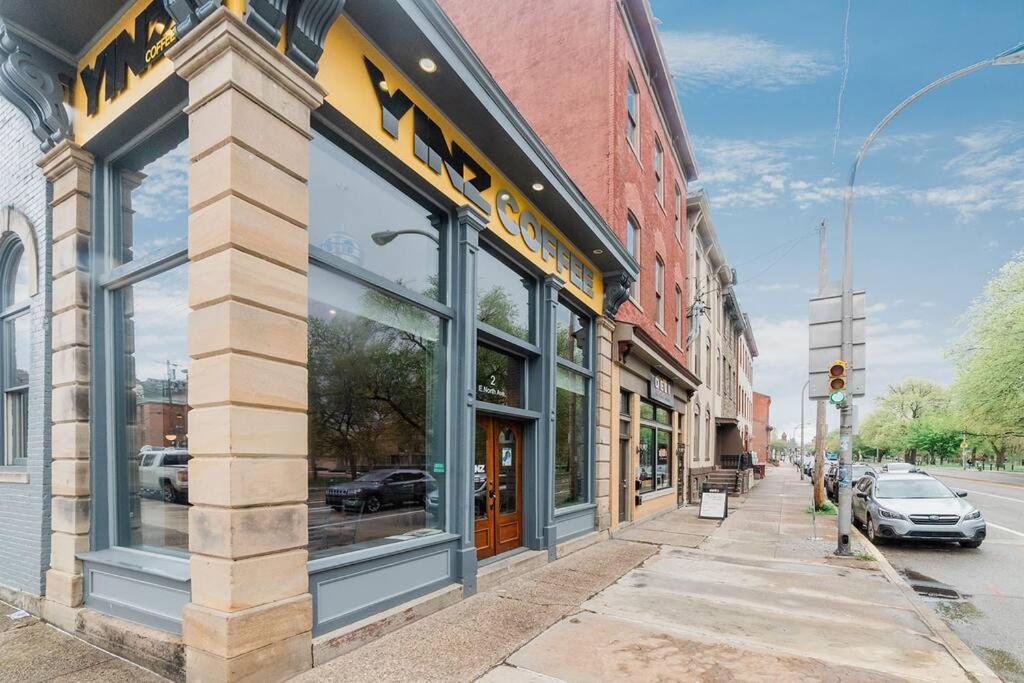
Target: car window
x: 912, y: 488
x: 148, y: 460
x: 864, y: 485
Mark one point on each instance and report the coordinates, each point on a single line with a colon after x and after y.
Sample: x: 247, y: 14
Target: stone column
x: 69, y: 169
x: 546, y: 471
x: 470, y: 225
x: 606, y: 399
x: 249, y: 144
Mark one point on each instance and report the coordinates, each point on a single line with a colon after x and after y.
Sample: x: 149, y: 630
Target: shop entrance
x: 497, y: 486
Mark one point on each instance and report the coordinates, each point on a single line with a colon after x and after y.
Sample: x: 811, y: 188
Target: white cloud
x: 928, y: 304
x: 703, y: 59
x: 777, y: 287
x: 876, y: 308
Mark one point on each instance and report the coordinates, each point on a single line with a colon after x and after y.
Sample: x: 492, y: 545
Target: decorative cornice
x: 188, y: 13
x: 33, y: 89
x: 616, y: 291
x: 307, y: 28
x: 470, y: 216
x: 64, y: 157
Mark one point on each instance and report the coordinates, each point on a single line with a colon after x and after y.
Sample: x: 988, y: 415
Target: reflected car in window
x: 163, y: 472
x: 379, y: 488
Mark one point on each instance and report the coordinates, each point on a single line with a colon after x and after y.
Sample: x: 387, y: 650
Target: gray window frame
x: 587, y: 372
x: 12, y: 251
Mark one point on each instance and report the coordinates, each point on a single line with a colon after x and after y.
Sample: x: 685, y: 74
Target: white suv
x: 164, y: 471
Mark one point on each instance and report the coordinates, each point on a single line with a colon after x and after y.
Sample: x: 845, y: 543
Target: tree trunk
x: 819, y: 457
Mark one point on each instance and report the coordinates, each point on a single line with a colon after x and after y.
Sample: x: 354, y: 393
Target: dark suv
x: 378, y: 488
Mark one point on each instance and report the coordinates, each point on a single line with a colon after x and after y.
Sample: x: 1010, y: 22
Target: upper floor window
x: 679, y: 316
x: 679, y: 213
x: 632, y: 111
x: 633, y: 247
x: 16, y: 352
x: 659, y: 291
x: 659, y: 171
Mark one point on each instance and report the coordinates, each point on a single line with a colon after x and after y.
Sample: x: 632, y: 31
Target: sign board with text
x: 714, y: 502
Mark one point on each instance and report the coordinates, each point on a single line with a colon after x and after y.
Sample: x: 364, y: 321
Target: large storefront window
x: 655, y: 448
x: 357, y: 216
x: 377, y: 369
x: 147, y: 329
x: 572, y: 407
x: 504, y: 298
x: 15, y: 351
x: 499, y: 377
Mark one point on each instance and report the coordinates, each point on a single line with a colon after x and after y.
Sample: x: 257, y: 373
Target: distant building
x: 762, y: 428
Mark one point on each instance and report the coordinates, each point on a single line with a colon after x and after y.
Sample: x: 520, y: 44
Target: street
x: 989, y: 579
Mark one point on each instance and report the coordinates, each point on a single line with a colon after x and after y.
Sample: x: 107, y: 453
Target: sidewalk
x: 680, y: 598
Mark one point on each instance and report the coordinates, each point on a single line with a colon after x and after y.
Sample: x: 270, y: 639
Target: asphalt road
x: 990, y: 617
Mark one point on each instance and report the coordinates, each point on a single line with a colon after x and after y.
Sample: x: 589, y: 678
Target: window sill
x: 157, y: 564
x: 341, y: 559
x: 660, y: 493
x: 574, y: 509
x: 12, y: 474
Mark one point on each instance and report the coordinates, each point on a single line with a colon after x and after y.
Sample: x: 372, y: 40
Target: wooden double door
x: 498, y: 486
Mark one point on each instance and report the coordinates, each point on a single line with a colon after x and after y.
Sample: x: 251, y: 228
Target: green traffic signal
x: 837, y: 397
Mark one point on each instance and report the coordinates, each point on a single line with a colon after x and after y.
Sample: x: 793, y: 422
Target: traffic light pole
x: 843, y: 485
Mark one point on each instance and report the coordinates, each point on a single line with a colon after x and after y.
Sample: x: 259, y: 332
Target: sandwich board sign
x: 714, y: 501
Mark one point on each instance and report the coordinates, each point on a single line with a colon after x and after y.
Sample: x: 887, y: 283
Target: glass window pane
x: 480, y: 473
x: 21, y: 338
x: 508, y: 491
x: 571, y: 335
x: 155, y: 365
x: 647, y: 446
x: 624, y: 403
x: 504, y: 296
x: 16, y: 426
x: 570, y: 438
x: 663, y: 472
x: 357, y: 215
x: 154, y: 205
x: 661, y: 415
x: 376, y: 417
x: 646, y: 410
x: 16, y: 287
x: 499, y: 377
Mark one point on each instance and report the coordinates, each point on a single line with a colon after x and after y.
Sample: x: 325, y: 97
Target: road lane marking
x: 976, y: 480
x: 993, y: 495
x: 1003, y: 528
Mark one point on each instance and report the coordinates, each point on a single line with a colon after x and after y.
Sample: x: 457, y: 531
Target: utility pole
x: 821, y: 426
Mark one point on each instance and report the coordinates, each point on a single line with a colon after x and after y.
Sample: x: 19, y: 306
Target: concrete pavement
x: 33, y: 651
x: 680, y: 598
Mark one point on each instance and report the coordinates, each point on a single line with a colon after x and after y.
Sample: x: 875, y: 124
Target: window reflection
x: 357, y: 215
x: 154, y: 205
x: 504, y: 296
x: 376, y: 415
x: 571, y: 335
x: 655, y: 448
x: 570, y: 438
x: 499, y: 377
x: 155, y: 365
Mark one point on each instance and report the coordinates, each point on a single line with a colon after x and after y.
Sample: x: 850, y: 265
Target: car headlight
x: 974, y: 515
x: 889, y: 514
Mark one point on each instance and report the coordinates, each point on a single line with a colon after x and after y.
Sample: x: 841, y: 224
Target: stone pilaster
x: 606, y: 398
x: 470, y: 225
x: 249, y: 107
x: 548, y: 344
x: 69, y: 169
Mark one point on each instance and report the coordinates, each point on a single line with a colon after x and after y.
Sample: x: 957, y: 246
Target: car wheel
x: 873, y: 532
x: 168, y: 493
x: 373, y: 504
x: 970, y: 544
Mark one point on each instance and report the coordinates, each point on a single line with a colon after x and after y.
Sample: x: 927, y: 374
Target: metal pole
x: 846, y: 411
x: 803, y: 402
x: 821, y: 422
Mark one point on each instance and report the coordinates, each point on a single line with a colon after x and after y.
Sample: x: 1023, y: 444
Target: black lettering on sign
x: 152, y: 35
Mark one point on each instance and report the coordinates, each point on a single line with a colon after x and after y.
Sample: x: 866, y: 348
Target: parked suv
x: 916, y: 506
x: 832, y: 475
x: 164, y: 472
x: 378, y: 488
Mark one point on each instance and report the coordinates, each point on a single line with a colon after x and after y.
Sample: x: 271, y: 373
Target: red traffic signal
x: 837, y: 375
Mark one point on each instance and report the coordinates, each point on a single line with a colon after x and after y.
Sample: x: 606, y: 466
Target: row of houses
x: 314, y: 309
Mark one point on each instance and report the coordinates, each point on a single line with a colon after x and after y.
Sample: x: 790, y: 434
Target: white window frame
x: 14, y: 395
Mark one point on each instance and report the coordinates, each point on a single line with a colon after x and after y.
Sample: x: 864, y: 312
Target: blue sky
x: 941, y: 195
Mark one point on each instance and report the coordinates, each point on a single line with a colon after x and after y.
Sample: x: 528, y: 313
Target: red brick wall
x: 564, y: 64
x: 759, y: 442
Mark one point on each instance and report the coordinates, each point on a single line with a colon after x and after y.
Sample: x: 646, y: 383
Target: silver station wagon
x: 916, y: 507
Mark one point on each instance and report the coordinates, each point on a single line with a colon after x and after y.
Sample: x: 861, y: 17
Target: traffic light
x: 837, y: 382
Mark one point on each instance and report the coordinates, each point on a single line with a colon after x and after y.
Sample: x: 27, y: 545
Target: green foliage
x: 989, y: 387
x: 825, y: 509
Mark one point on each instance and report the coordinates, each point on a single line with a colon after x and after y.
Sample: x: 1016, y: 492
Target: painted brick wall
x: 25, y: 508
x: 564, y: 65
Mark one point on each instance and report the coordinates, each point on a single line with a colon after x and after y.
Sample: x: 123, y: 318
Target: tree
x: 989, y: 386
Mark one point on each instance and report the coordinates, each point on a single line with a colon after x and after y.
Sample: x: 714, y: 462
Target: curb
x: 972, y: 665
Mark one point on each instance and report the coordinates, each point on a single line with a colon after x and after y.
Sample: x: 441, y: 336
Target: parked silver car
x: 915, y: 506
